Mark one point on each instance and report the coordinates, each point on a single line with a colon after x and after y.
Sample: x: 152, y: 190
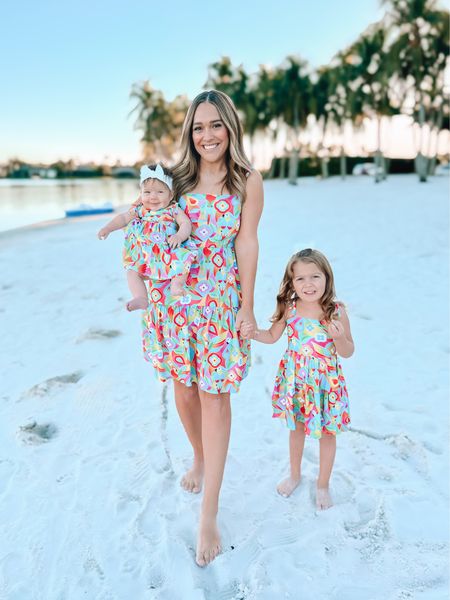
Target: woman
x: 195, y: 340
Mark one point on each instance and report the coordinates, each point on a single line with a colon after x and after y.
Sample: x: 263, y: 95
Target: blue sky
x: 67, y: 68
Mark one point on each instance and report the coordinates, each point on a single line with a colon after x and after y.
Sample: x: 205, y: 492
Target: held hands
x: 246, y: 323
x: 175, y: 241
x: 336, y: 330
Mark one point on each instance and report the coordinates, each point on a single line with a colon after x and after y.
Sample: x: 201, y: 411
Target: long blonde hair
x: 287, y: 295
x: 186, y: 172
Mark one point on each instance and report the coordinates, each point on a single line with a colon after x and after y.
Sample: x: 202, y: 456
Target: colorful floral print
x: 310, y: 386
x: 193, y: 338
x: 146, y: 249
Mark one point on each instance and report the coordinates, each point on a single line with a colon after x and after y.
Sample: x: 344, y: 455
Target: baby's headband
x: 156, y: 173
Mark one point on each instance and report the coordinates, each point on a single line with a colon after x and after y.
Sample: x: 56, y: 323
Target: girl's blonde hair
x: 186, y: 171
x: 287, y: 294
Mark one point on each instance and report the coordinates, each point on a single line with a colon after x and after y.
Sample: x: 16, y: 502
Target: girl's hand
x: 248, y: 330
x: 175, y: 241
x: 103, y: 233
x: 336, y: 330
x: 246, y: 316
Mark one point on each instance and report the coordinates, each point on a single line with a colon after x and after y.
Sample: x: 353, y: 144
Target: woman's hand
x: 246, y: 322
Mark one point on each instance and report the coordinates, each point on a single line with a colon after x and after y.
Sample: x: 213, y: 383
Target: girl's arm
x: 184, y: 229
x: 117, y: 222
x: 339, y: 330
x: 246, y: 247
x: 272, y: 335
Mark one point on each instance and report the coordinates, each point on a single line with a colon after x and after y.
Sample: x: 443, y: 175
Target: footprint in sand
x: 98, y: 334
x: 37, y: 433
x: 49, y: 385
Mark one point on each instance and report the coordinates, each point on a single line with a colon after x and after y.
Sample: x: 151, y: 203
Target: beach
x: 93, y: 450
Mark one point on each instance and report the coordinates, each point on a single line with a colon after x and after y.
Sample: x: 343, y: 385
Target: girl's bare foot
x: 140, y: 302
x: 287, y: 486
x: 192, y: 480
x: 208, y: 541
x: 323, y: 498
x: 177, y: 285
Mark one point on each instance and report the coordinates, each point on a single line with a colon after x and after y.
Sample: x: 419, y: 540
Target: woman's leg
x: 137, y: 287
x: 216, y: 425
x: 296, y: 445
x: 327, y: 455
x: 189, y: 410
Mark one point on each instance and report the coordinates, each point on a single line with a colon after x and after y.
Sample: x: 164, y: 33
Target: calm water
x: 27, y: 201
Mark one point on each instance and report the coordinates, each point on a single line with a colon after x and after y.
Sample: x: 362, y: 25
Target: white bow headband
x: 157, y: 173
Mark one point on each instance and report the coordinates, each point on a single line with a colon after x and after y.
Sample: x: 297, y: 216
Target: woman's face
x: 209, y: 134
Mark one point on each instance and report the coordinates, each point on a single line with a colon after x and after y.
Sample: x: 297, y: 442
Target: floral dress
x: 193, y: 339
x: 146, y: 248
x: 309, y: 385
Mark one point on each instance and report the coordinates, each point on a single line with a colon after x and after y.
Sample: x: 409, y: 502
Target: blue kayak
x: 85, y: 210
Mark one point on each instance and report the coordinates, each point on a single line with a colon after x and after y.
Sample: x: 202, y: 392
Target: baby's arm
x: 266, y: 336
x: 339, y: 330
x: 184, y: 229
x: 117, y: 222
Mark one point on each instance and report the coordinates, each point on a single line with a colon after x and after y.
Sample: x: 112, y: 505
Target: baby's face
x: 155, y: 194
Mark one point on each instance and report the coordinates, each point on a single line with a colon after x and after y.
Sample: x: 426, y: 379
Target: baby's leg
x: 139, y: 291
x: 177, y: 284
x: 327, y: 455
x: 296, y: 445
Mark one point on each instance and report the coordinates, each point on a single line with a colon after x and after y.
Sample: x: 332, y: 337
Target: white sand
x: 92, y: 449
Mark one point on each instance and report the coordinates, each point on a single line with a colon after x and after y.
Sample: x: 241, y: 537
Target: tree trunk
x: 283, y: 167
x: 293, y: 167
x: 343, y: 163
x: 324, y: 167
x: 438, y: 125
x: 272, y: 168
x: 379, y: 170
x: 421, y: 161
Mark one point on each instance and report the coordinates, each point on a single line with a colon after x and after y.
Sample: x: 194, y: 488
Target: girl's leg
x: 216, y: 425
x: 137, y: 288
x: 189, y: 410
x: 327, y: 455
x: 177, y: 284
x: 296, y: 445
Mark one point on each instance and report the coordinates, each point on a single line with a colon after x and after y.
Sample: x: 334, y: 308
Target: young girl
x: 310, y: 392
x: 152, y: 247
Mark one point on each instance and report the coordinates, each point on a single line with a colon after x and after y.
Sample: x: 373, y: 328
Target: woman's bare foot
x: 177, y: 285
x: 208, y: 541
x: 323, y: 498
x: 287, y: 486
x: 192, y: 480
x: 140, y: 302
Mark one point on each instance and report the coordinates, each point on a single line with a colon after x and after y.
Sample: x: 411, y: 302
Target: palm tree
x: 322, y: 89
x: 421, y: 46
x: 374, y: 71
x: 154, y: 120
x: 292, y: 97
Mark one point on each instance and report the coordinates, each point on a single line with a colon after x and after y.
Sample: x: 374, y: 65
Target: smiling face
x: 309, y: 281
x: 155, y: 194
x: 209, y: 134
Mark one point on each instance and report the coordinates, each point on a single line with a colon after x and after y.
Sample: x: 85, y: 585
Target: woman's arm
x: 246, y: 246
x: 184, y: 229
x: 117, y: 222
x: 339, y: 330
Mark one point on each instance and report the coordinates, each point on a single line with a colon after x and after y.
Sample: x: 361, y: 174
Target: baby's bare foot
x: 287, y: 486
x: 140, y: 302
x: 177, y: 286
x: 192, y: 480
x: 208, y: 541
x: 323, y: 498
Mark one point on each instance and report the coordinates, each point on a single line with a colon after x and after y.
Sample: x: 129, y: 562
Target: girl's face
x: 309, y: 281
x: 155, y: 194
x: 209, y: 134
